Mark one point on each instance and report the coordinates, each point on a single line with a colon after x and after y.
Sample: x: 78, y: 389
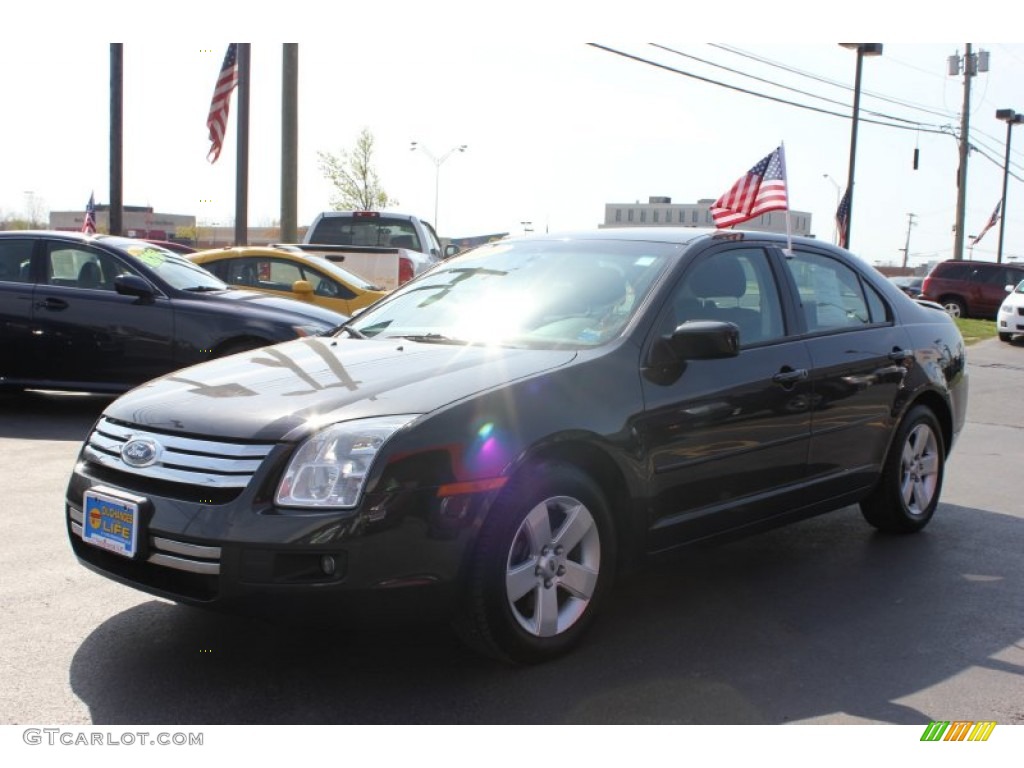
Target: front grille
x: 201, y: 463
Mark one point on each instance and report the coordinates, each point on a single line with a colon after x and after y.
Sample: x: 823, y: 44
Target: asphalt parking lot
x: 821, y: 622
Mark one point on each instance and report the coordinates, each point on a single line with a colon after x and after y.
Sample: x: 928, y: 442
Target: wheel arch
x: 938, y: 405
x: 609, y: 477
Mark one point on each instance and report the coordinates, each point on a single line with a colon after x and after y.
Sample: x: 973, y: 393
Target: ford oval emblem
x: 140, y: 452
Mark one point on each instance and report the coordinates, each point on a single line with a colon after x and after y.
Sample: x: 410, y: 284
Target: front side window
x: 70, y: 265
x: 735, y: 286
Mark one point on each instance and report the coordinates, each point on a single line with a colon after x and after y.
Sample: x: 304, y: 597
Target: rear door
x: 16, y: 289
x: 859, y: 358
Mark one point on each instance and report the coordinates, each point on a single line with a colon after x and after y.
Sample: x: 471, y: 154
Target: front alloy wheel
x: 908, y: 492
x: 541, y: 567
x: 553, y: 565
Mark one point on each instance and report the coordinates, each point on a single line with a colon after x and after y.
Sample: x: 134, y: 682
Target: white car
x: 1010, y: 318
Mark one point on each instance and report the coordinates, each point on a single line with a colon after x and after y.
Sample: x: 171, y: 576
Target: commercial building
x: 136, y: 221
x: 662, y: 212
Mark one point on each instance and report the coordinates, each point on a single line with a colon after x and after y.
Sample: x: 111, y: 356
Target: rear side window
x: 833, y: 295
x: 953, y: 271
x: 15, y: 261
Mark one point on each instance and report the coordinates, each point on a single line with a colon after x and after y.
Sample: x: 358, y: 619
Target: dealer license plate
x: 111, y: 523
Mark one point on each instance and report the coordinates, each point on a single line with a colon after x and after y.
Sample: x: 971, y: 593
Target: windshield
x: 176, y: 270
x: 534, y: 293
x: 343, y: 274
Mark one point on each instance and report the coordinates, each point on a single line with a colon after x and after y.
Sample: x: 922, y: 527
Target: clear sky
x: 555, y: 128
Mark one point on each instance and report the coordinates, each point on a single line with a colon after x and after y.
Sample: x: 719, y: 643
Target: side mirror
x: 693, y: 340
x: 303, y: 289
x: 133, y: 285
x: 450, y: 250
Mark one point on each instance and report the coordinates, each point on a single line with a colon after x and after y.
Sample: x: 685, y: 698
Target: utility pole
x: 906, y: 250
x: 970, y: 65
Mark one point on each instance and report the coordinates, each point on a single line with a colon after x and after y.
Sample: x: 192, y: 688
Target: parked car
x: 970, y: 288
x: 102, y: 313
x: 290, y: 272
x: 909, y: 284
x: 1010, y: 319
x: 497, y: 439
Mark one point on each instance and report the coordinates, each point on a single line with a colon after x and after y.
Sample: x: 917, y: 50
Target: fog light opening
x: 328, y: 565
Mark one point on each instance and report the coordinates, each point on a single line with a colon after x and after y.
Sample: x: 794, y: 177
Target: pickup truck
x: 387, y: 249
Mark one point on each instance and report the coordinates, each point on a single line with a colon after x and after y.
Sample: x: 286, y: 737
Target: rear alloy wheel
x: 908, y: 493
x: 954, y: 307
x: 544, y: 561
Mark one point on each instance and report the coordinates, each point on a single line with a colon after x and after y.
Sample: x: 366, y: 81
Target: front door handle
x: 900, y: 355
x: 788, y: 377
x: 51, y: 303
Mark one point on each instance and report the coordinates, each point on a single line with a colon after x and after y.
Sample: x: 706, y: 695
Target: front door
x: 91, y: 334
x: 727, y: 434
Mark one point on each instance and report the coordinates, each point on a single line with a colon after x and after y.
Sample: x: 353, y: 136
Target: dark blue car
x: 104, y: 314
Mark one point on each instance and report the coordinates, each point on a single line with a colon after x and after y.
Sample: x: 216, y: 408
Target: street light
x: 839, y: 197
x: 437, y: 161
x: 863, y: 49
x: 1012, y: 118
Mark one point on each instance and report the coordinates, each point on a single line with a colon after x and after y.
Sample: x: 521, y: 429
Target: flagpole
x: 242, y: 164
x: 789, y: 235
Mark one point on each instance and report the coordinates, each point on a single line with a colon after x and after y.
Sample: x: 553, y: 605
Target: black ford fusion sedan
x: 101, y: 313
x: 502, y: 435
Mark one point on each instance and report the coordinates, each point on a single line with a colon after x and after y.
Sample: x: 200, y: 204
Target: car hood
x: 286, y: 390
x: 273, y: 306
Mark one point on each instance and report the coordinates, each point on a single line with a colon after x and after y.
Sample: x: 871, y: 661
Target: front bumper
x: 398, y: 554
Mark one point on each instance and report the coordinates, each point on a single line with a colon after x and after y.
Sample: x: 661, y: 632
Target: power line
x: 659, y: 65
x: 880, y: 97
x: 921, y: 127
x: 769, y: 82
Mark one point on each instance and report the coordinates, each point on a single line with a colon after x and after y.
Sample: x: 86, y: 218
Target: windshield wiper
x: 432, y: 338
x: 354, y: 333
x: 204, y: 288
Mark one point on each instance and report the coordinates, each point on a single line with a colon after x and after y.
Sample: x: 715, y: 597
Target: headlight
x: 330, y: 468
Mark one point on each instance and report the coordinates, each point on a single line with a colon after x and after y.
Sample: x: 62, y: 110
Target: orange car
x: 294, y: 274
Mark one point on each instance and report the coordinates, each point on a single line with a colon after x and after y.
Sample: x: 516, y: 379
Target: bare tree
x: 356, y: 184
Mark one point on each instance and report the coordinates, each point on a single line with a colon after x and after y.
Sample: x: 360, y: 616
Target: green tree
x: 355, y: 181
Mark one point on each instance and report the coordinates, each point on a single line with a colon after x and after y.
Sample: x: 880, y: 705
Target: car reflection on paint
x: 496, y: 440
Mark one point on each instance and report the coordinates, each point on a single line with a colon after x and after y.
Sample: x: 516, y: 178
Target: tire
x: 908, y: 492
x: 544, y: 560
x: 954, y: 306
x: 1005, y: 337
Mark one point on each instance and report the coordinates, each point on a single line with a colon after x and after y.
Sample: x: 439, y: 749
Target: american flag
x: 843, y: 219
x: 89, y: 225
x: 762, y: 189
x: 991, y: 223
x: 217, y: 120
